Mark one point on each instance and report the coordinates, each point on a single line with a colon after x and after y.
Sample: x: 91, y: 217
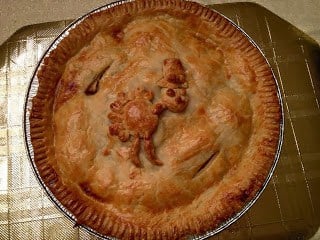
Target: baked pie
x: 154, y: 119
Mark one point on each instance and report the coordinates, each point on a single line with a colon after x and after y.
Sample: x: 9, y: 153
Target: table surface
x: 15, y: 14
x: 26, y: 211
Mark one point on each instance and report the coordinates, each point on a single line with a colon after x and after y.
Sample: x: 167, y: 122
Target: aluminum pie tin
x: 32, y: 91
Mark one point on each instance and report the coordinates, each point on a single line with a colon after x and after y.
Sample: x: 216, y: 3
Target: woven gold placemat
x: 289, y: 208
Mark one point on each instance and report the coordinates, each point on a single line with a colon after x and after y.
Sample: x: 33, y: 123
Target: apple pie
x: 154, y: 119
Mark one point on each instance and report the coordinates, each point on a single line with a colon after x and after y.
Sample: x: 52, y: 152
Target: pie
x: 154, y: 119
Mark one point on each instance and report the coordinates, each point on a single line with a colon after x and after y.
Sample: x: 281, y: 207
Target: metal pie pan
x: 32, y: 91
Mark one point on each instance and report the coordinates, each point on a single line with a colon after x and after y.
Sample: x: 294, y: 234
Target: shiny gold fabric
x: 289, y: 208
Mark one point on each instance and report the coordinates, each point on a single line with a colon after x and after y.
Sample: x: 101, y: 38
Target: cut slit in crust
x: 206, y: 163
x: 93, y: 87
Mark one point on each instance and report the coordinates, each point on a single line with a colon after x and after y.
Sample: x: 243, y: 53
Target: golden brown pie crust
x: 155, y: 120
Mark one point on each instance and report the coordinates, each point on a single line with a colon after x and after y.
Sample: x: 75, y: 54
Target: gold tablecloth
x: 289, y: 208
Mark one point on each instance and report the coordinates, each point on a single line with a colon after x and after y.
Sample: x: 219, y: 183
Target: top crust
x: 185, y: 180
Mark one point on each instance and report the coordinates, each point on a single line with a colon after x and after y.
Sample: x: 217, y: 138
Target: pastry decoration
x: 134, y: 117
x: 173, y: 86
